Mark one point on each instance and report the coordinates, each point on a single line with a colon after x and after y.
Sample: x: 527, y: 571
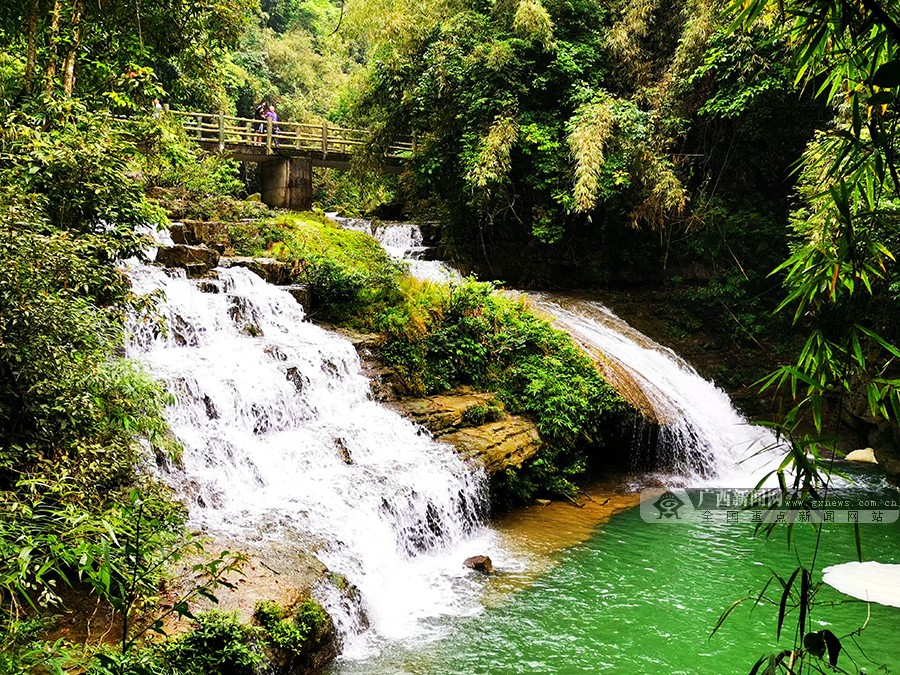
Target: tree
x: 73, y: 46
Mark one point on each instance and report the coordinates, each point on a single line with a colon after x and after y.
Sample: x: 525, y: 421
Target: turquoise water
x: 642, y: 598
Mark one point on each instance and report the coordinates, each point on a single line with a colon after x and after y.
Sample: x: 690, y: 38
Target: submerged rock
x: 480, y: 563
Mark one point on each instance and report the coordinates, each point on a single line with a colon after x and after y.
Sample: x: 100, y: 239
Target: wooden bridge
x: 286, y: 151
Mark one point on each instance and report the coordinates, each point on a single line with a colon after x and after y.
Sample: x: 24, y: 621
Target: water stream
x: 282, y: 440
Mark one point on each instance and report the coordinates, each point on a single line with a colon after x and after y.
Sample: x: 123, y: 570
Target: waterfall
x: 282, y: 440
x: 697, y: 434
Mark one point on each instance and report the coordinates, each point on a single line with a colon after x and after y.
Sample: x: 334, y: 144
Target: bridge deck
x: 262, y: 141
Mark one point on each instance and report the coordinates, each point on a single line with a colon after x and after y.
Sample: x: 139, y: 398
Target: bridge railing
x: 270, y: 137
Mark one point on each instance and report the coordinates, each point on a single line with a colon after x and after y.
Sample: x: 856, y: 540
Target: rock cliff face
x: 477, y: 426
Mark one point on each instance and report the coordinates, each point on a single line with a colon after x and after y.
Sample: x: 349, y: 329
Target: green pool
x: 638, y: 598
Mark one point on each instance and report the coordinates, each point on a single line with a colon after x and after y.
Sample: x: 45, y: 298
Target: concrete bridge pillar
x: 286, y: 183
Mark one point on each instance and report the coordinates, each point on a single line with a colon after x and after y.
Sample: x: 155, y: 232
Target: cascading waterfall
x: 699, y: 434
x: 281, y: 440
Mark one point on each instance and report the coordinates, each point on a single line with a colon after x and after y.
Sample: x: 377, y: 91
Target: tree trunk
x: 69, y: 78
x: 50, y: 75
x: 31, y: 55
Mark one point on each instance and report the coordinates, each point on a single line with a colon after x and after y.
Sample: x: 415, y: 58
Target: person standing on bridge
x: 272, y: 116
x: 260, y: 115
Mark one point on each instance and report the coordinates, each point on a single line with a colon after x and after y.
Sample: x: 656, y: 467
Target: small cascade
x: 697, y: 431
x: 404, y: 241
x: 282, y: 441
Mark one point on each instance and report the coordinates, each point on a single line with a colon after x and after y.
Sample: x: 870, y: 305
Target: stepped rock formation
x: 495, y: 445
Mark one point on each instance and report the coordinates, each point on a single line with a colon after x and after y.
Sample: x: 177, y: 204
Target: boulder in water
x: 480, y: 563
x: 196, y: 260
x: 273, y: 271
x: 865, y: 455
x: 302, y: 293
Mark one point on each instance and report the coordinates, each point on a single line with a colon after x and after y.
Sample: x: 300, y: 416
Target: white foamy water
x: 402, y: 241
x: 702, y: 435
x: 281, y: 440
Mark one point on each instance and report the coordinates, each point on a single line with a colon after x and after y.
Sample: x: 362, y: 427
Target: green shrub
x: 477, y: 415
x: 219, y: 644
x: 346, y: 270
x: 294, y: 632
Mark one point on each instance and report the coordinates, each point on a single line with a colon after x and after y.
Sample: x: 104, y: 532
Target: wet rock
x: 542, y: 502
x: 209, y: 232
x: 244, y: 316
x: 211, y: 411
x: 183, y: 331
x: 295, y: 377
x: 479, y: 563
x: 197, y: 260
x: 431, y: 233
x: 498, y: 446
x: 302, y: 293
x: 889, y: 458
x: 865, y: 455
x: 423, y: 253
x: 276, y: 353
x: 273, y: 271
x: 343, y: 451
x: 178, y: 234
x: 206, y: 286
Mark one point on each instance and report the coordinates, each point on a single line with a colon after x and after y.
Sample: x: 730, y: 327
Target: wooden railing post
x: 268, y: 135
x: 221, y: 130
x: 415, y: 144
x: 199, y: 127
x: 324, y: 140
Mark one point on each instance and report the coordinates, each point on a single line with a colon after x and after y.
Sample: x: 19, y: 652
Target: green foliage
x: 440, y: 337
x: 168, y: 159
x: 219, y: 643
x: 840, y: 269
x: 347, y: 270
x: 292, y: 631
x: 62, y: 398
x: 476, y: 415
x: 22, y: 650
x: 77, y: 418
x: 102, y: 52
